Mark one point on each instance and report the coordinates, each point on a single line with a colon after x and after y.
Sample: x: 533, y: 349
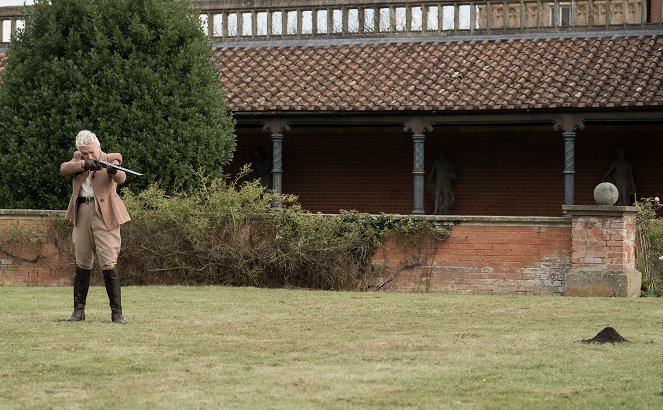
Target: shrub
x: 650, y: 246
x: 229, y: 234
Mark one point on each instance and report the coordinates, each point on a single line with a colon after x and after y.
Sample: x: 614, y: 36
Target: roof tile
x: 460, y: 75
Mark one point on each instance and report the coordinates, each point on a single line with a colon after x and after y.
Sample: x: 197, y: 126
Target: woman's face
x: 90, y: 151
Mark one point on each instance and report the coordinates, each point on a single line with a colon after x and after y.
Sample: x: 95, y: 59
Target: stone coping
x: 443, y: 219
x: 487, y: 220
x: 29, y: 213
x: 600, y: 210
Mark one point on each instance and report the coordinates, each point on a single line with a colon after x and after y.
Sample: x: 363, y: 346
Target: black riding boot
x: 114, y: 291
x: 81, y: 286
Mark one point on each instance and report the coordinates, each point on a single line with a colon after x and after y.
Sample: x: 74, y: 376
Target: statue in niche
x: 262, y: 168
x: 620, y: 175
x: 439, y: 184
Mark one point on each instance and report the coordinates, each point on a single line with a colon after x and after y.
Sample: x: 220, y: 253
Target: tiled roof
x: 2, y: 61
x: 514, y: 74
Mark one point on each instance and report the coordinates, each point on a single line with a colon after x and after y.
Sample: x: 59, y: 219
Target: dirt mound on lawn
x: 607, y: 335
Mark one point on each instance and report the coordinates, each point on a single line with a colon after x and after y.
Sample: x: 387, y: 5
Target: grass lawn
x: 214, y: 347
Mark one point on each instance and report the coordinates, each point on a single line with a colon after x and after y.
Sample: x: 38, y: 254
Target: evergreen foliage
x: 650, y: 246
x: 226, y: 233
x: 138, y: 73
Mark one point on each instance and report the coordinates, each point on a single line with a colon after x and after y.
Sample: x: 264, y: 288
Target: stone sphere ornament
x: 606, y: 193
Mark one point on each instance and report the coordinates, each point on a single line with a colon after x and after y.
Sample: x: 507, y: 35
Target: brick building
x: 530, y: 109
x: 352, y: 99
x: 530, y: 101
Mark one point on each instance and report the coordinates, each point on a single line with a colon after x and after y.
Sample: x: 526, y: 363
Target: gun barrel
x: 105, y: 164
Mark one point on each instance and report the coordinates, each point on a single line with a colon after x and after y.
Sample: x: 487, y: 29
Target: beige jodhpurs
x: 91, y: 237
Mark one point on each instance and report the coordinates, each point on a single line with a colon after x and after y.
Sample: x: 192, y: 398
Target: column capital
x: 568, y: 124
x: 416, y: 126
x: 276, y: 127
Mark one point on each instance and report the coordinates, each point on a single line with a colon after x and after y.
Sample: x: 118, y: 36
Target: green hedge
x: 650, y: 246
x: 228, y: 234
x: 138, y: 73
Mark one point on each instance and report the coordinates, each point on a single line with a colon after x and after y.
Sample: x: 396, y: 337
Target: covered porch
x: 511, y: 165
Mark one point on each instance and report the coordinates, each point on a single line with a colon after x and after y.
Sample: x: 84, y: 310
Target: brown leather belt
x: 85, y: 200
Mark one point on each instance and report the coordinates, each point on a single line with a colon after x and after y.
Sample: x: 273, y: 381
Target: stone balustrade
x: 241, y: 20
x: 11, y: 19
x: 232, y: 20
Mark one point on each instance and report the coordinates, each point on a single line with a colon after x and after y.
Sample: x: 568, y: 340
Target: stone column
x: 569, y: 166
x: 275, y: 127
x: 603, y: 251
x: 418, y: 173
x: 568, y: 124
x: 277, y: 165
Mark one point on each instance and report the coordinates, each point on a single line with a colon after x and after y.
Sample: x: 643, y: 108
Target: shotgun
x: 105, y: 164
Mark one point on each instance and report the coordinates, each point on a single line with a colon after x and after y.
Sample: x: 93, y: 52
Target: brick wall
x: 586, y: 254
x: 485, y: 255
x: 31, y: 260
x: 342, y: 168
x: 605, y: 242
x: 501, y: 170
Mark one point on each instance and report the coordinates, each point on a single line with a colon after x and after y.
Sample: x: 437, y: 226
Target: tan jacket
x: 108, y: 204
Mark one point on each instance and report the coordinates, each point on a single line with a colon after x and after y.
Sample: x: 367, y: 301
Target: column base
x: 581, y: 282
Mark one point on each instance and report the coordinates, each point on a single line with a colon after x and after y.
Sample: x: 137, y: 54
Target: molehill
x: 607, y: 335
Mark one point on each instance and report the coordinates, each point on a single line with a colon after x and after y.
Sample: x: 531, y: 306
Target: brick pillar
x: 603, y: 251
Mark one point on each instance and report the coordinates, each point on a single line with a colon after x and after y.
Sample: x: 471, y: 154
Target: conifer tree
x: 138, y: 73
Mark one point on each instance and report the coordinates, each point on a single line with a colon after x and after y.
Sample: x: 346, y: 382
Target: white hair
x: 86, y: 137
